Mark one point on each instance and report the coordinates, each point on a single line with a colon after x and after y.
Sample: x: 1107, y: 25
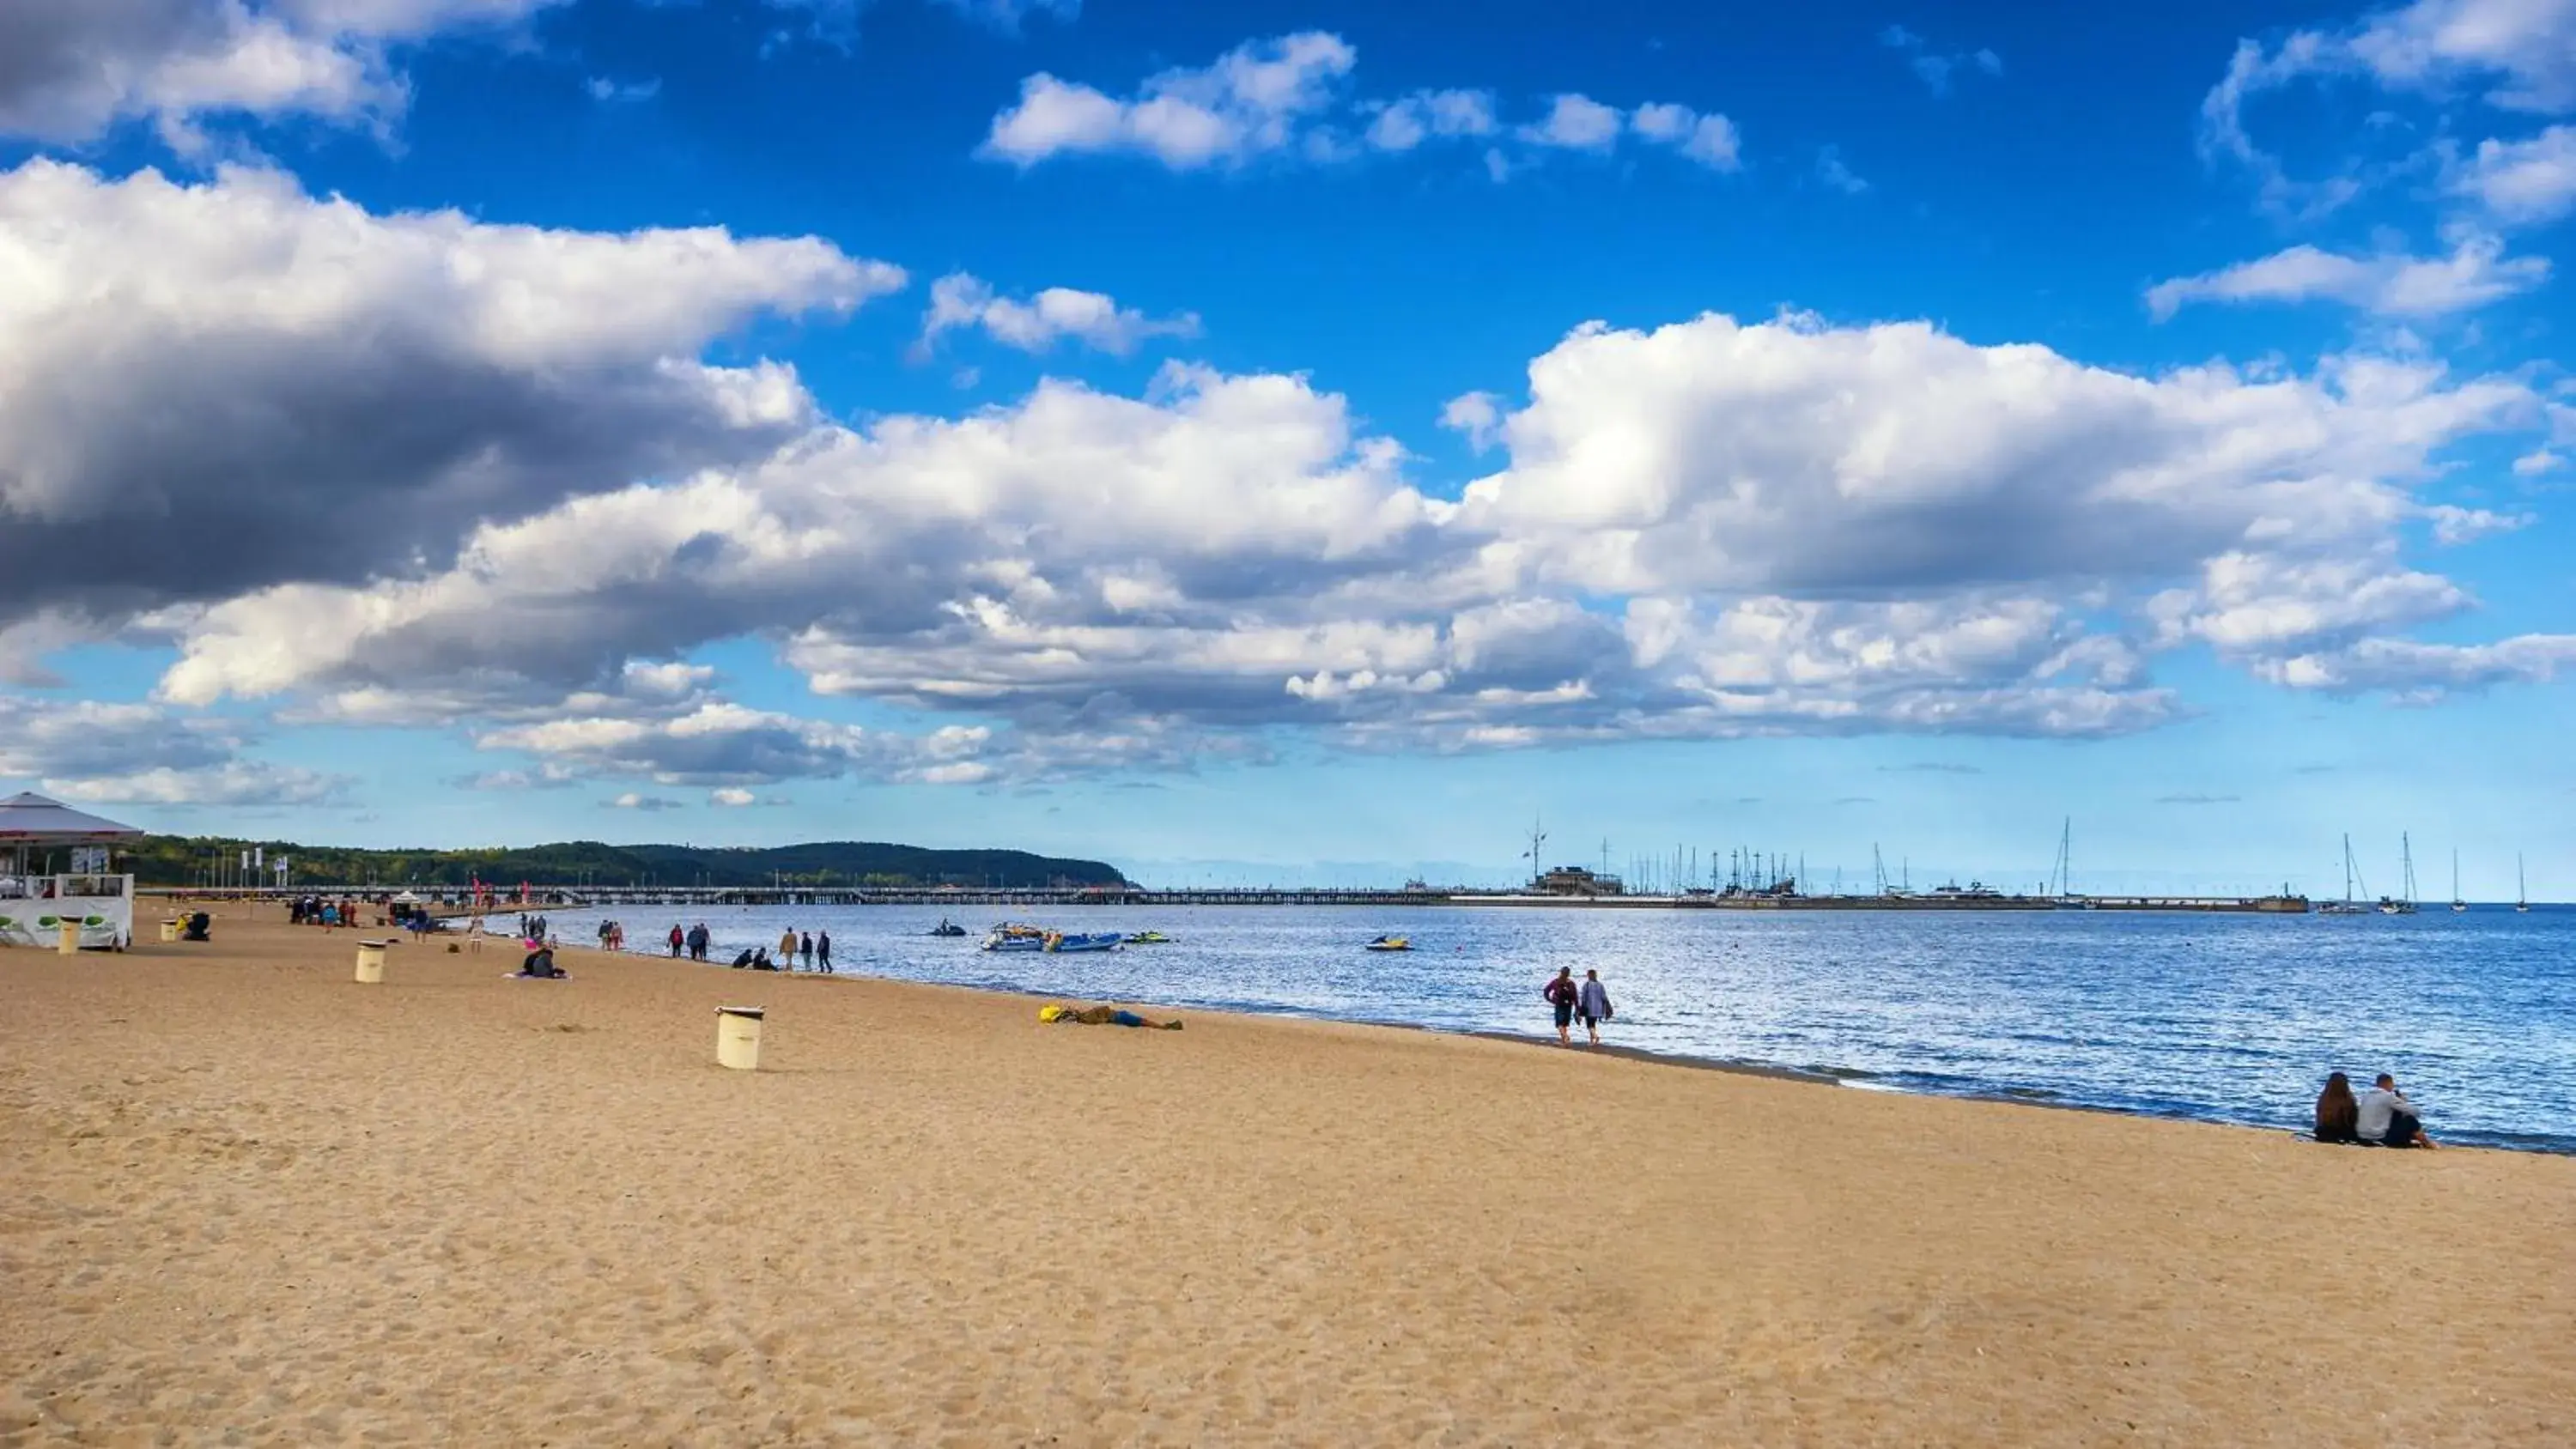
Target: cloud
x: 2514, y: 55
x: 961, y: 300
x: 2522, y: 182
x: 1248, y: 103
x: 634, y: 801
x: 1479, y: 415
x: 1709, y: 140
x: 71, y: 71
x: 607, y: 91
x: 2476, y: 274
x: 1935, y: 68
x: 1282, y: 98
x: 1574, y: 123
x: 135, y: 753
x: 1401, y: 125
x: 213, y: 388
x: 1007, y: 15
x: 1831, y: 170
x: 2453, y: 525
x: 2193, y: 799
x: 1705, y: 530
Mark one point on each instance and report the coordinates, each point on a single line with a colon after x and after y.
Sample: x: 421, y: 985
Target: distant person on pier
x: 823, y: 950
x: 805, y: 947
x: 2384, y: 1117
x: 1564, y: 995
x: 2338, y: 1114
x: 1593, y: 1004
x: 679, y: 940
x: 787, y: 949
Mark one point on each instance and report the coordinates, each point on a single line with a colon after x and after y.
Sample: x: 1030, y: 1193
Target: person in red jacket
x: 679, y: 938
x: 1561, y: 993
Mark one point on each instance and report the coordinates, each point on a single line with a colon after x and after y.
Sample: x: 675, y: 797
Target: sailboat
x: 2347, y: 906
x: 2403, y: 905
x: 2457, y: 905
x: 2521, y: 892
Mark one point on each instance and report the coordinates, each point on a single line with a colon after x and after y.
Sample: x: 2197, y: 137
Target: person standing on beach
x: 1562, y: 994
x: 678, y: 940
x: 787, y: 949
x: 1593, y: 1002
x: 823, y: 949
x: 698, y: 940
x: 805, y: 948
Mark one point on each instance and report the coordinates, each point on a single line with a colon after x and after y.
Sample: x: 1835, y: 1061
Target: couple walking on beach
x: 1587, y: 998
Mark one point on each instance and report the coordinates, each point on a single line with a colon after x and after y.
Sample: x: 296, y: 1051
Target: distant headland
x: 184, y: 861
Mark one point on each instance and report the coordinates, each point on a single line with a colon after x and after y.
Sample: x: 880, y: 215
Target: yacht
x: 2521, y: 892
x: 2348, y: 906
x: 2403, y: 905
x: 2457, y: 905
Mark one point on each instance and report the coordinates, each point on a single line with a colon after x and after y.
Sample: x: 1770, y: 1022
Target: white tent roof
x: 35, y: 820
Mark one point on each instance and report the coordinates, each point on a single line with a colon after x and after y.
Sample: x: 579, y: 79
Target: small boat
x: 2457, y: 905
x: 1391, y: 943
x: 1149, y: 938
x: 1013, y: 936
x: 1084, y: 941
x: 947, y: 927
x: 2521, y: 892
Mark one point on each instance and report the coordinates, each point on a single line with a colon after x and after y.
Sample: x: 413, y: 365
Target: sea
x: 2219, y: 1018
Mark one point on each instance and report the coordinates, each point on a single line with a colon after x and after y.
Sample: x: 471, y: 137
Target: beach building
x: 56, y: 868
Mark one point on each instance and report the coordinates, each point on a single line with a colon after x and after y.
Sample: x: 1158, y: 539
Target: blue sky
x: 1300, y: 441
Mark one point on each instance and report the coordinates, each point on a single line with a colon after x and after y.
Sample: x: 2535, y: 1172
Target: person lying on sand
x: 1102, y: 1016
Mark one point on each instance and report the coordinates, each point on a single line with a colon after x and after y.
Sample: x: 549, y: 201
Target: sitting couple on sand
x: 2380, y: 1117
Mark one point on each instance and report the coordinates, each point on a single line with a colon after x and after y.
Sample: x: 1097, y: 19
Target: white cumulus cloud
x: 961, y: 300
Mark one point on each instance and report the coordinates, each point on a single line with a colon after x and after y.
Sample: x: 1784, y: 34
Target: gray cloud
x: 137, y: 753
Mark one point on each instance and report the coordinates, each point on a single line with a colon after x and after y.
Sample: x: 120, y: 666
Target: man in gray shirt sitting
x: 2387, y: 1119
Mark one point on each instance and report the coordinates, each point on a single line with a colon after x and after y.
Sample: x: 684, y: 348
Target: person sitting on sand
x: 1593, y: 1002
x: 2383, y: 1117
x: 745, y: 959
x: 199, y: 927
x: 760, y: 960
x: 540, y: 965
x: 1563, y: 994
x: 2337, y: 1111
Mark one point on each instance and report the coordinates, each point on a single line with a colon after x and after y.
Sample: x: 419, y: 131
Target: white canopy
x: 406, y: 899
x: 35, y: 820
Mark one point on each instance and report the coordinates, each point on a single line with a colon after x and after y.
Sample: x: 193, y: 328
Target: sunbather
x: 1103, y: 1016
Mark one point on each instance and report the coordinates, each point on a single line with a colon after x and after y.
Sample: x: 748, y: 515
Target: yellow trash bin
x: 169, y: 930
x: 371, y: 961
x: 738, y: 1037
x: 70, y: 945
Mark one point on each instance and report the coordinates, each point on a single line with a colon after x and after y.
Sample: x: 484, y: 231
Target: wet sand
x: 249, y: 1200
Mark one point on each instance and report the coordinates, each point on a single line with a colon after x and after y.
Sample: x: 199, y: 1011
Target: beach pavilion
x: 36, y: 901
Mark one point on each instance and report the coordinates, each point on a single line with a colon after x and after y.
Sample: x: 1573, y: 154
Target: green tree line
x: 172, y: 860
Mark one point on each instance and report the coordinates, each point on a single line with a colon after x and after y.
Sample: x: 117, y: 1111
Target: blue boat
x: 1085, y: 941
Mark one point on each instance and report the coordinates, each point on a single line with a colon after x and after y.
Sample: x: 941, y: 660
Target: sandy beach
x: 249, y: 1200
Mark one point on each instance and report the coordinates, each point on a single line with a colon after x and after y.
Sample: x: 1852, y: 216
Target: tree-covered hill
x: 170, y: 860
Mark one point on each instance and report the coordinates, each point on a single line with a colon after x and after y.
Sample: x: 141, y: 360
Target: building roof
x: 36, y: 820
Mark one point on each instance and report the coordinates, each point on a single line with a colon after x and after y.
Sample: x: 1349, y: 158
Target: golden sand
x: 248, y: 1200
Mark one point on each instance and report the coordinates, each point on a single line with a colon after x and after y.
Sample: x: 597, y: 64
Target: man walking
x: 1562, y: 993
x: 823, y: 950
x: 805, y: 948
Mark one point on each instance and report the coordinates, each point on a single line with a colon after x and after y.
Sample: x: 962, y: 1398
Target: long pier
x: 1012, y: 898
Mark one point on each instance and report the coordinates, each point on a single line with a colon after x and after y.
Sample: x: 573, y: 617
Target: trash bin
x: 371, y: 961
x: 169, y: 930
x: 70, y: 938
x: 738, y: 1037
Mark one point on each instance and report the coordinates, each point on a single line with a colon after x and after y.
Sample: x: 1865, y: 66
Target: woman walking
x: 1593, y: 1004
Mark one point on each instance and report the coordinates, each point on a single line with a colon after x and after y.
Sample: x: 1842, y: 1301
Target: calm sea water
x: 2222, y: 1018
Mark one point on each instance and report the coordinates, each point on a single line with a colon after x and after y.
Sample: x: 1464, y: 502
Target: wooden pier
x: 447, y: 901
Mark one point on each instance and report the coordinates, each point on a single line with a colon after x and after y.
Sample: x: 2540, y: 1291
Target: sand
x: 250, y: 1201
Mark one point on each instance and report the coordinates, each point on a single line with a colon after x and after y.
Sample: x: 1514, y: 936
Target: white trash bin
x: 169, y: 931
x: 738, y: 1037
x: 371, y: 961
